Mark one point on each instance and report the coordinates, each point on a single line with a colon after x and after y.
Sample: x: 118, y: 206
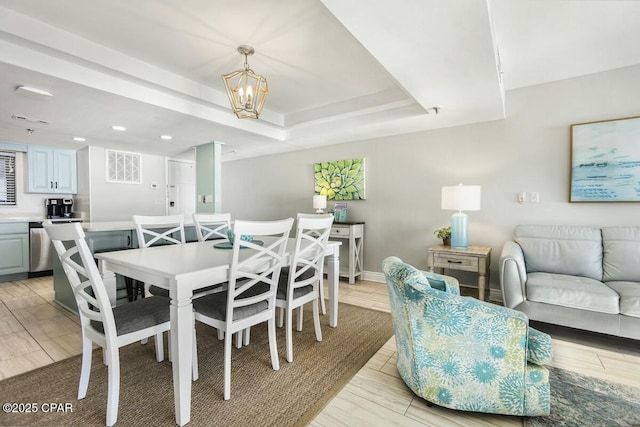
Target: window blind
x: 7, y: 178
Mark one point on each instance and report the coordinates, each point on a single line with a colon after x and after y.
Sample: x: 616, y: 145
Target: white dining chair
x: 301, y: 281
x: 157, y: 230
x: 212, y: 226
x: 323, y: 308
x: 253, y: 281
x: 110, y: 328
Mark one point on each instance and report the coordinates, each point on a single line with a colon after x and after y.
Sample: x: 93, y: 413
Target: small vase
x: 446, y: 241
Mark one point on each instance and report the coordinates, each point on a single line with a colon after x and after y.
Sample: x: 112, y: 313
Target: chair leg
x: 288, y: 335
x: 105, y: 356
x: 299, y: 316
x: 280, y: 311
x: 316, y: 320
x: 227, y: 365
x: 220, y: 334
x: 238, y: 339
x: 321, y: 288
x: 128, y: 283
x: 247, y: 336
x: 273, y: 345
x: 169, y: 345
x: 159, y: 347
x: 113, y: 394
x: 85, y: 371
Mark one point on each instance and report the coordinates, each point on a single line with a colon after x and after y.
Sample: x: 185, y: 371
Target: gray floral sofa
x: 462, y: 353
x: 576, y: 276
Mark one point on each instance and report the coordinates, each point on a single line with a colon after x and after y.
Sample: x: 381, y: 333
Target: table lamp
x: 459, y: 198
x: 319, y: 203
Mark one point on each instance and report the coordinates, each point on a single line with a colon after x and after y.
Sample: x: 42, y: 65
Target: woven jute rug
x: 578, y: 400
x: 259, y: 395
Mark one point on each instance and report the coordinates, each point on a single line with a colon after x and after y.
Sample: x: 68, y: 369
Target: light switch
x: 534, y: 197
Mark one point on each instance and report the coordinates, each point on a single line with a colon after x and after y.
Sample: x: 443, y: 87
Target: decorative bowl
x: 245, y: 237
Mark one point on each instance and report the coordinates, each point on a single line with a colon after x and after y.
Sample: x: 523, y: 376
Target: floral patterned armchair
x: 462, y: 353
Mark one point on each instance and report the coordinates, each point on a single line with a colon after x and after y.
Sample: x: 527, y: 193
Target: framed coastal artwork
x: 605, y: 161
x: 340, y: 179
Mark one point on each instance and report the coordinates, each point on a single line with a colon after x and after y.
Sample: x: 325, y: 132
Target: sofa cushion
x: 621, y: 255
x: 571, y: 250
x: 629, y: 297
x: 572, y: 291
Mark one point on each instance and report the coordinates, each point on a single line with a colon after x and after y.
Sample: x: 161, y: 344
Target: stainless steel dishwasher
x: 40, y: 250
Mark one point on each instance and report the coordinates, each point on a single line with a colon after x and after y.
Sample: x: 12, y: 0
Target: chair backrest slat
x: 159, y: 229
x: 210, y: 226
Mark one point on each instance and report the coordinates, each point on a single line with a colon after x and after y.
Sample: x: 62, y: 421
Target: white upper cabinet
x: 52, y: 170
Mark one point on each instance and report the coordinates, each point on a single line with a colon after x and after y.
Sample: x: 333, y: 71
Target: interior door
x: 181, y: 188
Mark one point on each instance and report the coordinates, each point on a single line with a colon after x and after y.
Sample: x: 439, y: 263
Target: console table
x: 354, y: 232
x: 473, y: 258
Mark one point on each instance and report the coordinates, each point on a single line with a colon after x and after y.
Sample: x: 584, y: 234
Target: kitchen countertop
x: 12, y: 219
x: 113, y: 225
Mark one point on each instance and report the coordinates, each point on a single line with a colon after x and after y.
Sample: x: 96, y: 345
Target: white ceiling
x: 337, y: 70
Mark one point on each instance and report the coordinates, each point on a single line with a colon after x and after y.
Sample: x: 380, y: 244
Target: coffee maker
x: 59, y: 208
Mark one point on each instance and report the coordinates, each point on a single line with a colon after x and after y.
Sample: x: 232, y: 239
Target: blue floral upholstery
x: 462, y: 353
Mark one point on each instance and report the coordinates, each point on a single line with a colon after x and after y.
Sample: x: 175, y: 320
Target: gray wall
x: 527, y: 151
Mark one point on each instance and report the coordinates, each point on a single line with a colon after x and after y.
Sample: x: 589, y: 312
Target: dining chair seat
x: 215, y: 305
x: 145, y: 313
x: 297, y: 292
x: 160, y: 292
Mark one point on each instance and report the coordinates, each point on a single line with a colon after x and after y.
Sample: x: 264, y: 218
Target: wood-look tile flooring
x: 35, y: 331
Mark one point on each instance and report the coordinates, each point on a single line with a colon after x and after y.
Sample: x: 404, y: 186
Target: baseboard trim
x: 376, y: 276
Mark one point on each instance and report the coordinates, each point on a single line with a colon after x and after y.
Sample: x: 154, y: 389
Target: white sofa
x: 576, y: 276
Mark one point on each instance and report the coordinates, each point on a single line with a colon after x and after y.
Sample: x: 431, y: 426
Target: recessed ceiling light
x: 79, y: 139
x: 118, y: 128
x: 34, y: 90
x: 166, y: 137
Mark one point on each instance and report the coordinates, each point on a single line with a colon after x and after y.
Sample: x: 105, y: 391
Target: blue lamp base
x: 459, y: 230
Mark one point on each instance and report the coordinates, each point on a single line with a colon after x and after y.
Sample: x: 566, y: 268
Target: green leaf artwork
x: 340, y: 180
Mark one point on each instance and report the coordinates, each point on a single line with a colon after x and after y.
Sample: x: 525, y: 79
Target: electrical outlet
x: 522, y: 197
x: 534, y: 197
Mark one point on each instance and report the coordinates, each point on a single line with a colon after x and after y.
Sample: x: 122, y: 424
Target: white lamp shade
x: 461, y: 197
x: 319, y: 201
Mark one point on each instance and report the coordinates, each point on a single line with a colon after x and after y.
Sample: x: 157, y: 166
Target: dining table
x: 183, y: 269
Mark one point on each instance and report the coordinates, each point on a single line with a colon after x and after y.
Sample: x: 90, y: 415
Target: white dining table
x: 183, y: 269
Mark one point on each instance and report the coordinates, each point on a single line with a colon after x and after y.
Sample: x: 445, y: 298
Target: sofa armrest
x: 513, y: 274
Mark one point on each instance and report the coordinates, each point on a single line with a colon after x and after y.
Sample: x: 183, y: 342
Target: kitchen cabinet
x: 14, y: 247
x: 52, y: 170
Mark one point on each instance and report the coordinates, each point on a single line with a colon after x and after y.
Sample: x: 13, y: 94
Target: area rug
x: 577, y: 400
x: 259, y: 395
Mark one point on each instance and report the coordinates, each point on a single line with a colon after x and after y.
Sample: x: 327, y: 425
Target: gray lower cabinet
x: 98, y: 241
x: 14, y: 247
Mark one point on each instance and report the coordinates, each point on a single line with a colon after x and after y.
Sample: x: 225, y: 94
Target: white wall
x: 111, y: 201
x: 527, y: 151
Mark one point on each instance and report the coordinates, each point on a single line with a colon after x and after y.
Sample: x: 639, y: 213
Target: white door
x: 181, y: 188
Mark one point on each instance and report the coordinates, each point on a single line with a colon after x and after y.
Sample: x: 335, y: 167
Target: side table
x: 354, y: 232
x: 473, y: 258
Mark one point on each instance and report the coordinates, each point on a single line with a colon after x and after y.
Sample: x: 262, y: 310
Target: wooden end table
x: 473, y: 258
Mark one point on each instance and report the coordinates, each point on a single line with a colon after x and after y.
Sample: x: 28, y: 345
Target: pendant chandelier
x: 247, y: 90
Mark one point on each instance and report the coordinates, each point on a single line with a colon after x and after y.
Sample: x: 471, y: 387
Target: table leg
x: 181, y: 312
x: 333, y: 264
x: 482, y: 281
